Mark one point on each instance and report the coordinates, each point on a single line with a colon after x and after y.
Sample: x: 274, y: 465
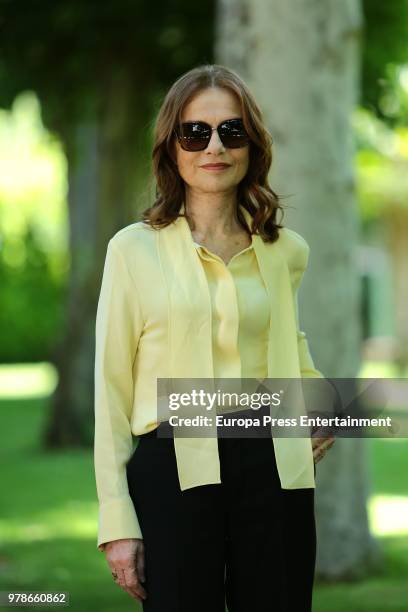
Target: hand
x: 320, y: 445
x: 127, y: 562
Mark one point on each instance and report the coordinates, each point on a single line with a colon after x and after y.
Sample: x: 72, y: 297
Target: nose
x: 215, y: 145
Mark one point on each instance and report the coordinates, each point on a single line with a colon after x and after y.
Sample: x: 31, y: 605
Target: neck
x: 212, y: 216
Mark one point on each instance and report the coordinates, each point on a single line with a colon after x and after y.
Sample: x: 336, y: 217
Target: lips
x: 215, y: 166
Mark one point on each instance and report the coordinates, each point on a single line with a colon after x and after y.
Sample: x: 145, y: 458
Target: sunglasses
x: 195, y: 135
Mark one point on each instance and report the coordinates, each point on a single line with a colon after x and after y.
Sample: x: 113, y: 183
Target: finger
x: 327, y: 443
x: 323, y: 442
x: 133, y: 583
x: 140, y: 564
x: 120, y: 577
x: 318, y: 452
x: 317, y: 442
x: 318, y: 458
x: 316, y: 455
x: 121, y: 581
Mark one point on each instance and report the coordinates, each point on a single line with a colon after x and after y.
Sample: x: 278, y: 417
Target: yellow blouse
x: 153, y: 315
x: 240, y: 314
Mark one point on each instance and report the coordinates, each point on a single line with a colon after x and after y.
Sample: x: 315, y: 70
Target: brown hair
x: 253, y: 192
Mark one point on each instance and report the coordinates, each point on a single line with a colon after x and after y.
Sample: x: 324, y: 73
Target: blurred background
x: 81, y: 83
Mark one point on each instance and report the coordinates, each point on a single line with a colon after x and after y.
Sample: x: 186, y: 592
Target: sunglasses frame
x: 210, y: 131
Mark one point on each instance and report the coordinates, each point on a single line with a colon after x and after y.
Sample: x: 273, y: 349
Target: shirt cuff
x: 117, y: 521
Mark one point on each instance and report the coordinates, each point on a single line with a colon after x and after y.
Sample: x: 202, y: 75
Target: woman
x: 204, y: 287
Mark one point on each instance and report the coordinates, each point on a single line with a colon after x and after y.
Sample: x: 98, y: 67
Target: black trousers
x: 245, y: 542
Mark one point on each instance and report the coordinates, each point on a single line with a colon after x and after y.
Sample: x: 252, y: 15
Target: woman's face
x: 213, y: 105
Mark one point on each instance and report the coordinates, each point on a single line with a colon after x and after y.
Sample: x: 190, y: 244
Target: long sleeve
x: 307, y: 367
x: 118, y: 327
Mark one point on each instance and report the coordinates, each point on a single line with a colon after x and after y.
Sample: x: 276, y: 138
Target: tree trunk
x: 397, y: 230
x: 301, y: 60
x: 105, y: 167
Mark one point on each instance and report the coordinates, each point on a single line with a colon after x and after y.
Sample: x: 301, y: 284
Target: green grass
x: 48, y: 523
x: 48, y: 516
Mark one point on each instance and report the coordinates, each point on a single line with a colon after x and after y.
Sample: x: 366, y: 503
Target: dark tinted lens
x: 233, y: 133
x: 194, y: 136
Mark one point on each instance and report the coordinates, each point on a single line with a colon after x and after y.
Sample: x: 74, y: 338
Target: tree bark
x: 106, y: 166
x: 302, y: 61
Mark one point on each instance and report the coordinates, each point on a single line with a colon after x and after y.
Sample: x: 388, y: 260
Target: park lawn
x: 49, y: 518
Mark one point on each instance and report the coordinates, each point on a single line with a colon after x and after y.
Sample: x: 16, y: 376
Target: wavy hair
x: 253, y: 191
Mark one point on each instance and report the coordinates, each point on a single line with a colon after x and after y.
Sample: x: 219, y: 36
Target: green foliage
x: 381, y: 165
x: 70, y: 52
x: 33, y: 229
x: 384, y: 49
x: 31, y: 299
